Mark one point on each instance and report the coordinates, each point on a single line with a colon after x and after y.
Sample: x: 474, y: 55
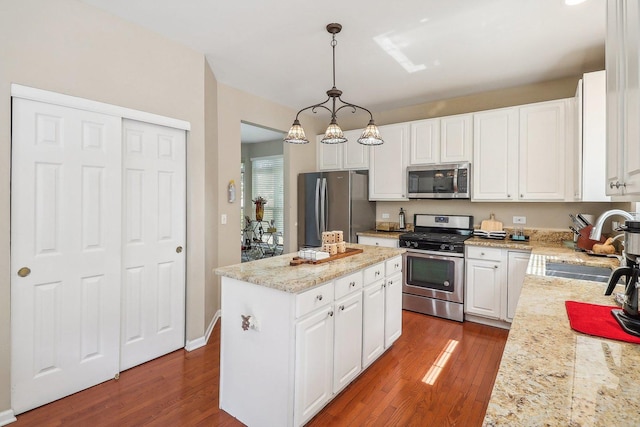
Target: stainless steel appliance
x: 333, y: 201
x: 629, y: 316
x: 433, y: 273
x: 446, y: 181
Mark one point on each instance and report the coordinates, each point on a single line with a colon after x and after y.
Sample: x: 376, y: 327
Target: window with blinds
x: 267, y: 180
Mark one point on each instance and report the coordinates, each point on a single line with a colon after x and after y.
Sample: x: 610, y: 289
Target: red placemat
x: 597, y: 320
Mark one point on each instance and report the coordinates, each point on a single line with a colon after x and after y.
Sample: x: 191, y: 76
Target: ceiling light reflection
x: 393, y: 50
x: 435, y: 369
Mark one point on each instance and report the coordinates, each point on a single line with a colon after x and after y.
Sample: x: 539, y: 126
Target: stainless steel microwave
x: 444, y: 181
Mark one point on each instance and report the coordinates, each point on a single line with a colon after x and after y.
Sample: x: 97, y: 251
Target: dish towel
x: 597, y: 320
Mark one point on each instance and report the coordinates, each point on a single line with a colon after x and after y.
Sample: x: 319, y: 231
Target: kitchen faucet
x: 596, y: 231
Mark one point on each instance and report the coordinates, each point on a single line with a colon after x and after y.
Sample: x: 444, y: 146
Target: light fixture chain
x: 334, y: 42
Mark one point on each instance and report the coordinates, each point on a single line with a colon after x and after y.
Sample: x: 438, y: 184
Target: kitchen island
x: 292, y: 337
x: 553, y: 375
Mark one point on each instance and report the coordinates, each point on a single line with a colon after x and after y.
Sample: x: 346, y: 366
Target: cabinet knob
x: 352, y: 284
x: 522, y: 196
x: 482, y: 253
x: 495, y: 266
x: 342, y: 308
x: 319, y: 297
x: 377, y: 273
x: 330, y: 313
x: 391, y: 282
x: 508, y: 196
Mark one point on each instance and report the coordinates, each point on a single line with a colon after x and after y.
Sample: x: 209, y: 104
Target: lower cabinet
x: 493, y: 282
x: 300, y: 350
x: 387, y: 242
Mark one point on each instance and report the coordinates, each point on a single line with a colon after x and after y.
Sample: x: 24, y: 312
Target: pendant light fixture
x: 334, y: 135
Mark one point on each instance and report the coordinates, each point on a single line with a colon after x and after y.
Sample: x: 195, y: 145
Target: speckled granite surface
x: 276, y: 272
x: 552, y: 376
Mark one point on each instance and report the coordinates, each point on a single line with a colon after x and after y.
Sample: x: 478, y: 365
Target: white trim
x: 202, y: 341
x: 34, y: 94
x: 7, y: 417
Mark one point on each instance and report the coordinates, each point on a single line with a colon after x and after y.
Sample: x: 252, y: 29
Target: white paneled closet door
x: 153, y: 238
x: 65, y: 251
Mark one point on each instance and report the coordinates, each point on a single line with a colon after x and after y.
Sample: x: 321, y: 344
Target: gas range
x: 438, y: 233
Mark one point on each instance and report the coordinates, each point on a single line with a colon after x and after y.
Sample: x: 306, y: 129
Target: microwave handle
x: 455, y: 180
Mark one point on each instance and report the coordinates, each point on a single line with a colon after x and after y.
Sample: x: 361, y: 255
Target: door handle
x: 179, y: 249
x: 24, y: 272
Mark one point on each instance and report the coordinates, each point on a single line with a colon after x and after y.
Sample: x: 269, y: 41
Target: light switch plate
x: 223, y: 219
x: 385, y: 216
x: 519, y: 219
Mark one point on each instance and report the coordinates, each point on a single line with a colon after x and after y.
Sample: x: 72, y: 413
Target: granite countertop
x: 276, y: 273
x: 552, y: 375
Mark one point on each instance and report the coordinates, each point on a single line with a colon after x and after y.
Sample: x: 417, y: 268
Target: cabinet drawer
x: 314, y: 298
x: 373, y: 273
x: 393, y: 265
x: 387, y: 242
x: 481, y: 252
x: 347, y: 284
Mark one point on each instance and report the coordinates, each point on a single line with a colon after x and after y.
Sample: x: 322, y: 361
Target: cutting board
x: 491, y: 224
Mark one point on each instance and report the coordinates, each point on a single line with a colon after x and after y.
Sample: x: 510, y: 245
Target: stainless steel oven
x: 433, y: 284
x: 433, y: 270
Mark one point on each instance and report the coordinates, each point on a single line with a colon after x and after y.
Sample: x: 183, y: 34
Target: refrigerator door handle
x: 317, y: 216
x: 324, y: 204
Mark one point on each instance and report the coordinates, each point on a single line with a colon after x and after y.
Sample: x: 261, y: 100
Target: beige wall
x: 68, y: 47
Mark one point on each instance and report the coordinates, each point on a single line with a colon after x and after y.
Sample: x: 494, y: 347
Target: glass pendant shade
x: 371, y: 135
x: 334, y: 134
x: 296, y: 134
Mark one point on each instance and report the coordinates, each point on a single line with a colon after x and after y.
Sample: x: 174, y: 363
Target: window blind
x: 267, y: 181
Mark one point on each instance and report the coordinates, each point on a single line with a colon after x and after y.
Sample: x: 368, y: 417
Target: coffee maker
x: 628, y: 317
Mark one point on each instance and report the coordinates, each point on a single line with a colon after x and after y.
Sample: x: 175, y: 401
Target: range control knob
x: 415, y: 244
x: 451, y: 248
x: 443, y: 246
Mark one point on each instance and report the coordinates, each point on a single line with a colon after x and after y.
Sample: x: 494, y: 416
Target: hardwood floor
x: 181, y: 388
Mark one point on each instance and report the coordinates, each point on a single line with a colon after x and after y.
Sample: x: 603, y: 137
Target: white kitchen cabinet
x: 494, y: 279
x: 543, y: 139
x: 623, y: 99
x: 516, y: 270
x: 348, y: 155
x: 441, y: 140
x: 590, y: 171
x: 373, y: 321
x: 393, y: 307
x: 388, y: 242
x: 520, y: 152
x: 388, y: 163
x: 347, y: 357
x: 483, y: 286
x: 495, y: 155
x: 313, y: 363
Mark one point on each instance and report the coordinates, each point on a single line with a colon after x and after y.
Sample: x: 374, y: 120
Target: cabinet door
x: 631, y: 152
x: 592, y: 174
x: 495, y: 158
x: 393, y: 309
x: 483, y: 288
x: 517, y: 269
x: 388, y: 163
x: 456, y: 138
x: 329, y: 155
x: 314, y: 364
x: 355, y: 155
x: 542, y: 151
x: 614, y: 56
x: 372, y: 322
x: 424, y: 145
x: 347, y: 360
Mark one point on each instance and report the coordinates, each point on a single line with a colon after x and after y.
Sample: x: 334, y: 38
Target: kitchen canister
x: 328, y: 237
x: 342, y: 247
x: 339, y: 236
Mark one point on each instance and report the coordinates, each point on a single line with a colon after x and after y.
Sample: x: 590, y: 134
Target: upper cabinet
x: 441, y: 140
x: 590, y: 171
x: 522, y: 153
x: 388, y: 164
x: 623, y: 99
x: 348, y: 155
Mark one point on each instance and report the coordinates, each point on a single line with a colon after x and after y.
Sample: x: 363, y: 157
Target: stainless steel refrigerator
x: 330, y: 201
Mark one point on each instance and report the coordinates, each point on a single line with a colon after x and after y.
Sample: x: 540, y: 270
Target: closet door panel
x: 154, y: 237
x: 65, y: 222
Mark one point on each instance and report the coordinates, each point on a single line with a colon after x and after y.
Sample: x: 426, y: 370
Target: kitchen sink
x: 580, y: 272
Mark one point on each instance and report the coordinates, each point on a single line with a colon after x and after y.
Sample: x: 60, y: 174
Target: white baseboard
x: 7, y: 417
x: 202, y: 341
x: 489, y: 322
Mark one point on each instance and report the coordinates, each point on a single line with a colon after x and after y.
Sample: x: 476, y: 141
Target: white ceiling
x: 280, y: 50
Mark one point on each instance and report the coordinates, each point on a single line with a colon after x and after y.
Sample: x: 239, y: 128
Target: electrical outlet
x: 385, y: 216
x: 519, y: 219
